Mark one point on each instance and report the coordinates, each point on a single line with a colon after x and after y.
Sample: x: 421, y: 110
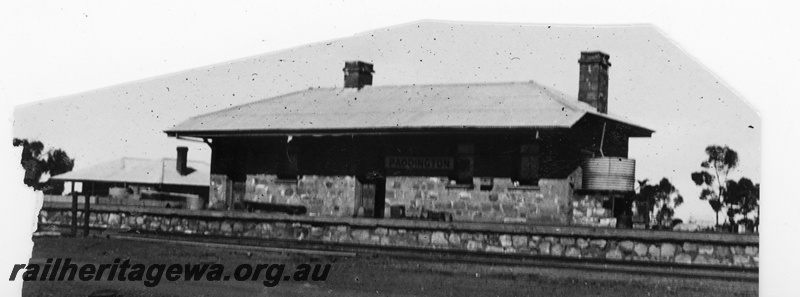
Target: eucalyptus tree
x: 737, y: 198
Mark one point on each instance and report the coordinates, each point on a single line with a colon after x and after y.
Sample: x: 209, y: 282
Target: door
x: 370, y: 195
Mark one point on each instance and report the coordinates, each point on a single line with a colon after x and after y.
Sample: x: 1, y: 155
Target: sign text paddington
x: 430, y: 163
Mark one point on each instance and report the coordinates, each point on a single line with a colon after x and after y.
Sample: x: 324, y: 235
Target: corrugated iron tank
x: 609, y: 174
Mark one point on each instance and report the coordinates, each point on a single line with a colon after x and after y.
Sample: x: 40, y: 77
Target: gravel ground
x: 356, y: 276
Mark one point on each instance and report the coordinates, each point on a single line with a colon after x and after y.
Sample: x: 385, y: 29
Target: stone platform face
x: 606, y: 244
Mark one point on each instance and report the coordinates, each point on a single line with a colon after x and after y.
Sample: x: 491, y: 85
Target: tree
x: 31, y: 160
x: 58, y: 162
x: 712, y: 178
x: 659, y: 200
x: 739, y: 199
x: 742, y: 199
x: 54, y: 162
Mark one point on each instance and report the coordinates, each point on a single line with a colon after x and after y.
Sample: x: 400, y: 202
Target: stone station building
x: 523, y: 170
x: 489, y: 152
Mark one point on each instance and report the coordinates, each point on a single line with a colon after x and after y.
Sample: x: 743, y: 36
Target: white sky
x: 52, y: 49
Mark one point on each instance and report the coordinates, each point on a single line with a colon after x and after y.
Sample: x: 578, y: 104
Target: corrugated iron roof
x: 141, y: 171
x: 485, y: 105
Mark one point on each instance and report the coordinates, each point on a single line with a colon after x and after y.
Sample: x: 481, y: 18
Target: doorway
x: 370, y: 199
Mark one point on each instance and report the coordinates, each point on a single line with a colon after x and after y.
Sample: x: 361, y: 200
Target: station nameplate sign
x: 429, y: 163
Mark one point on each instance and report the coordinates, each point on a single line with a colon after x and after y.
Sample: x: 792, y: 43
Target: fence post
x: 86, y: 215
x: 74, y: 211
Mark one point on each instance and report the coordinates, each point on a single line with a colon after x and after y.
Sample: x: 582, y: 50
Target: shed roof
x: 396, y: 108
x: 141, y: 171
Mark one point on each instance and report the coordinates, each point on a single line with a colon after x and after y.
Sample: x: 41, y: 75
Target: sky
x: 103, y: 80
x: 652, y: 83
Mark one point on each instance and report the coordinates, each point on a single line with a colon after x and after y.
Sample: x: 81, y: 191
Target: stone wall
x: 549, y: 203
x: 321, y: 195
x: 588, y: 210
x: 597, y: 244
x: 217, y: 191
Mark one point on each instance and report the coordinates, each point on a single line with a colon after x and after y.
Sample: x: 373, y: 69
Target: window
x: 465, y: 158
x: 487, y: 184
x: 529, y: 165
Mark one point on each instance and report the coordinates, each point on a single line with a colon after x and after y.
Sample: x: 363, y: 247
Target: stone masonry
x: 334, y: 196
x: 321, y: 195
x: 549, y: 203
x: 427, y: 236
x: 588, y: 210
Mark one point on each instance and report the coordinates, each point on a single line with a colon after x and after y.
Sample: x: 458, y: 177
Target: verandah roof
x: 140, y: 171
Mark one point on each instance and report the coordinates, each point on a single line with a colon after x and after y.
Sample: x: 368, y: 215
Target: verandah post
x: 74, y: 211
x: 86, y: 201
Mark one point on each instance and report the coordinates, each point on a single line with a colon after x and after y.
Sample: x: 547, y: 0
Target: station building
x: 516, y: 152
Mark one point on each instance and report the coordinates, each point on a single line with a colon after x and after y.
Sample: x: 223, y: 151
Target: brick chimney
x: 593, y: 85
x: 180, y: 163
x: 357, y: 74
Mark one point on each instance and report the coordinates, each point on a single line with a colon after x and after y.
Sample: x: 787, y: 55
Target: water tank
x: 609, y: 174
x: 194, y: 202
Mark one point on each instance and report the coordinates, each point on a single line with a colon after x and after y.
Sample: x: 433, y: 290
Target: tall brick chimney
x: 180, y: 163
x: 357, y: 74
x: 593, y: 85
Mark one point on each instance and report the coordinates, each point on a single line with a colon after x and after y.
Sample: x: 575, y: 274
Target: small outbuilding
x: 163, y: 182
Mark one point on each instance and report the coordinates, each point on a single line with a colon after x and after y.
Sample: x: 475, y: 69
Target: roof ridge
x: 560, y: 96
x: 135, y: 158
x: 456, y: 84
